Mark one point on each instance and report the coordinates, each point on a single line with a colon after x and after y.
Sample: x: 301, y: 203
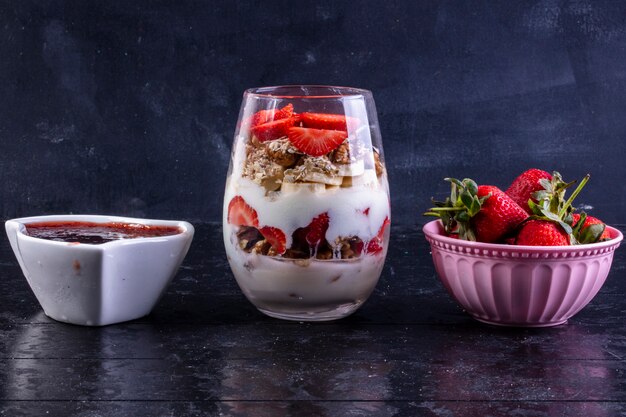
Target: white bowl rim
x: 187, y: 229
x: 433, y: 230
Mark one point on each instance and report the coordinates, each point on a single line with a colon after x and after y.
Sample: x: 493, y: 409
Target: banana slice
x: 294, y: 187
x: 367, y: 179
x: 351, y: 170
x: 323, y: 178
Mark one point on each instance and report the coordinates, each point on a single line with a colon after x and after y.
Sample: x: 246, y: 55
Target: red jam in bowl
x: 96, y: 233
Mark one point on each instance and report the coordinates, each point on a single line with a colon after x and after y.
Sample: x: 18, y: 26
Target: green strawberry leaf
x: 466, y: 198
x: 470, y: 186
x: 475, y: 207
x: 462, y: 216
x: 534, y: 207
x: 592, y: 233
x: 566, y: 227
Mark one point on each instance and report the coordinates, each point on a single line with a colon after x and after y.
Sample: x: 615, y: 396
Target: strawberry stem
x: 573, y: 196
x: 447, y: 209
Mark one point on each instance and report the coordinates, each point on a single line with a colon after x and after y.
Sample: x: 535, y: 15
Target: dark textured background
x: 129, y: 107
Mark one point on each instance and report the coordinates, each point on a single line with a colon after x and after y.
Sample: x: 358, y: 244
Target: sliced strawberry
x: 273, y: 130
x: 262, y: 116
x: 241, y: 214
x: 376, y: 244
x: 275, y: 237
x: 329, y: 121
x: 316, y: 231
x: 316, y: 142
x: 284, y: 113
x: 265, y: 116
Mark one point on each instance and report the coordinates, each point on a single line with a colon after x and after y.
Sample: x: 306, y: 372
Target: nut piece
x: 248, y: 237
x: 378, y: 164
x: 283, y: 152
x: 341, y: 155
x: 349, y: 248
x: 262, y: 247
x: 324, y: 253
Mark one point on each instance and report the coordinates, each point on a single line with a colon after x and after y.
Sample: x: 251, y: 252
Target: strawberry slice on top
x: 260, y: 117
x: 265, y: 116
x: 241, y: 214
x: 275, y: 237
x: 273, y: 130
x: 284, y: 113
x: 328, y: 121
x: 316, y: 142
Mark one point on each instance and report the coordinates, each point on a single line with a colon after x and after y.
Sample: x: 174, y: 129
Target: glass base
x: 336, y: 313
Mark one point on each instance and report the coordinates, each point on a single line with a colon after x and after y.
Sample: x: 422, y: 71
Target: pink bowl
x: 529, y: 286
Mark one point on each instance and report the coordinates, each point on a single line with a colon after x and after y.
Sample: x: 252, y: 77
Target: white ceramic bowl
x: 531, y: 286
x: 96, y: 285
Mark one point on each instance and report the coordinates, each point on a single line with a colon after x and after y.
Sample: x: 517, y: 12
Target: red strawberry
x: 542, y: 233
x: 376, y: 244
x: 523, y: 187
x: 316, y: 231
x: 265, y: 116
x: 499, y: 215
x: 275, y: 237
x: 484, y: 214
x: 241, y: 214
x: 328, y: 121
x: 260, y: 117
x: 316, y: 142
x: 509, y: 240
x: 284, y: 113
x: 273, y: 130
x: 590, y: 220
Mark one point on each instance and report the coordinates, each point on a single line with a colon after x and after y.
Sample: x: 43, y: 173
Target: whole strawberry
x: 527, y: 183
x: 553, y: 222
x: 591, y: 230
x: 499, y: 215
x: 542, y: 233
x: 480, y: 213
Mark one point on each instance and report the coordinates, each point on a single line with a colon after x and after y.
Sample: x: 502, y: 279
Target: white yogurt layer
x: 352, y: 211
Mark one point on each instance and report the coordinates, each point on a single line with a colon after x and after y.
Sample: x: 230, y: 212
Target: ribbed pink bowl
x: 529, y: 286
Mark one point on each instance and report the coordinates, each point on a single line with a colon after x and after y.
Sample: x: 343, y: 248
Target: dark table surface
x: 409, y: 351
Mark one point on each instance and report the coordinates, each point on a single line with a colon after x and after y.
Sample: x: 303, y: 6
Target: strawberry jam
x: 96, y: 233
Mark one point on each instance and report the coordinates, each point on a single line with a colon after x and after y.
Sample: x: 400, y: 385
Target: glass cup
x: 306, y: 206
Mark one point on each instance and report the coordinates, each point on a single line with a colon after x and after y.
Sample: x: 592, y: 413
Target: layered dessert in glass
x: 306, y: 206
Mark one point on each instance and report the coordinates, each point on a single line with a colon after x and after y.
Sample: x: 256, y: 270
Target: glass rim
x: 326, y: 91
